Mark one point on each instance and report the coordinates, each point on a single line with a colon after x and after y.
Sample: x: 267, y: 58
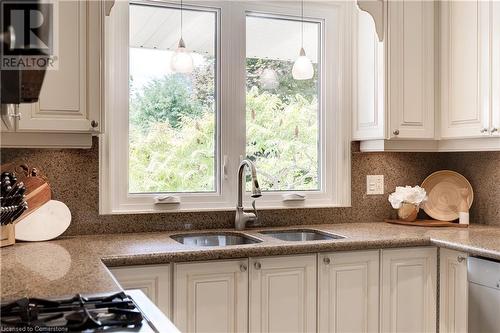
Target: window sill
x: 161, y: 209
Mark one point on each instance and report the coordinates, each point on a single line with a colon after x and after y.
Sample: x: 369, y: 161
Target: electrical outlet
x: 374, y: 184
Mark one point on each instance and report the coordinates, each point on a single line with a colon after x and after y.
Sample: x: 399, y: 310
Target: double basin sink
x: 227, y: 239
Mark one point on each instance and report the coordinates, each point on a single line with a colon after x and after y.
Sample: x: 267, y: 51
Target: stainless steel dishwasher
x: 484, y: 295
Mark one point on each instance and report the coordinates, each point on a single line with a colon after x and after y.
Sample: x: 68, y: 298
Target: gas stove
x: 109, y: 313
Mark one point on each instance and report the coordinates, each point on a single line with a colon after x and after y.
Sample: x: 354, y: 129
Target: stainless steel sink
x: 209, y: 239
x: 300, y: 235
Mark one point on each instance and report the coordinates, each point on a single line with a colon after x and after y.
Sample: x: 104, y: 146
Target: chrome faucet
x: 242, y: 218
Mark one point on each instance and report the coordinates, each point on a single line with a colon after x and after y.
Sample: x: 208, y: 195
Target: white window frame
x: 334, y: 125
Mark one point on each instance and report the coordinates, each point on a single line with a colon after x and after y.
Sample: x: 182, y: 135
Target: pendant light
x: 181, y: 61
x: 269, y: 79
x: 302, y: 68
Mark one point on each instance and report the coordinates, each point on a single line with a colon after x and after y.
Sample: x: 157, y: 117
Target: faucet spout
x: 242, y: 217
x: 256, y: 193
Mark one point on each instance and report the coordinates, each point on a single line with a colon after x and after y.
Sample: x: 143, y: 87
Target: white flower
x: 414, y: 195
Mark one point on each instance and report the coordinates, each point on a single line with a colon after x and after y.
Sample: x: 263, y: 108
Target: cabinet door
x: 153, y: 280
x: 348, y: 291
x: 69, y: 98
x: 211, y: 296
x: 283, y: 294
x: 495, y: 62
x: 408, y: 290
x: 368, y: 83
x: 453, y: 292
x: 410, y: 67
x: 465, y: 68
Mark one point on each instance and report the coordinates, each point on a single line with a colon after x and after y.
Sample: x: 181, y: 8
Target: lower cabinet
x: 408, y: 290
x: 348, y: 297
x: 453, y: 292
x: 154, y: 280
x: 390, y: 290
x: 283, y: 294
x: 211, y: 296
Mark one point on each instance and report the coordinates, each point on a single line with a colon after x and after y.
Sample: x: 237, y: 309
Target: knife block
x: 7, y: 235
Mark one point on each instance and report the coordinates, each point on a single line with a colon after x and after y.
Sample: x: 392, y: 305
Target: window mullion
x: 233, y: 95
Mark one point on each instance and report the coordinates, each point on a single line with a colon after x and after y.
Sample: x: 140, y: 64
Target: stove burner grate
x: 75, y: 314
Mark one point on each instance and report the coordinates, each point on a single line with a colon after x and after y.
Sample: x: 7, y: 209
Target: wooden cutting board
x: 427, y: 223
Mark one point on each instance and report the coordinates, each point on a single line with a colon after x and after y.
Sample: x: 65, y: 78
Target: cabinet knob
x: 326, y: 261
x: 395, y: 132
x: 461, y: 259
x: 484, y: 130
x: 494, y: 130
x: 243, y: 268
x: 94, y: 124
x: 257, y: 265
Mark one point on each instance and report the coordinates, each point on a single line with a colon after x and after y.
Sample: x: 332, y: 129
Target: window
x: 282, y: 114
x: 172, y: 116
x: 177, y: 138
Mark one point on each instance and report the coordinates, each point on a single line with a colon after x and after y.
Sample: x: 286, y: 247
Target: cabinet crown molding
x: 376, y: 10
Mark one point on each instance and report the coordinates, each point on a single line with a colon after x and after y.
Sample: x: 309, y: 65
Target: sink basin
x: 300, y: 235
x: 208, y: 239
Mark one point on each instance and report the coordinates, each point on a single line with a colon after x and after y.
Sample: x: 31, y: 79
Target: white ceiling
x: 159, y: 28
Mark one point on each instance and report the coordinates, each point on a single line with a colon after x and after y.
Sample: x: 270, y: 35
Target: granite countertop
x: 78, y: 264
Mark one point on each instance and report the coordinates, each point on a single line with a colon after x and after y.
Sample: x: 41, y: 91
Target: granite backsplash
x: 74, y: 178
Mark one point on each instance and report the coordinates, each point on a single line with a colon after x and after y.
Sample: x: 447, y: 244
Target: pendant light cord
x: 181, y: 19
x: 302, y: 23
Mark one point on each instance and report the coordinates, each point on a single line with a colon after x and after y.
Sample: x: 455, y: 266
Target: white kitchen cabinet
x: 466, y: 68
x: 453, y: 292
x: 70, y: 98
x: 282, y: 294
x: 406, y: 55
x: 154, y: 280
x: 368, y: 85
x: 495, y: 63
x: 348, y: 291
x: 408, y: 290
x: 211, y: 296
x: 410, y: 68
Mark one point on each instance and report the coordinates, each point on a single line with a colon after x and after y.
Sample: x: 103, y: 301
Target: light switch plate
x: 374, y: 184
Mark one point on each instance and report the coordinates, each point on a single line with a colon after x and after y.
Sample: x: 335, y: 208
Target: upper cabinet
x: 409, y: 95
x: 470, y: 69
x: 495, y: 64
x: 368, y: 117
x: 70, y: 99
x: 394, y: 79
x: 410, y: 69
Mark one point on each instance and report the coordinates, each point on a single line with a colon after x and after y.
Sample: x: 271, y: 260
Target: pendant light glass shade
x: 182, y: 60
x: 269, y: 79
x: 302, y: 68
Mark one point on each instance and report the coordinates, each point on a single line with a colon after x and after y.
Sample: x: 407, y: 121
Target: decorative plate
x: 444, y: 194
